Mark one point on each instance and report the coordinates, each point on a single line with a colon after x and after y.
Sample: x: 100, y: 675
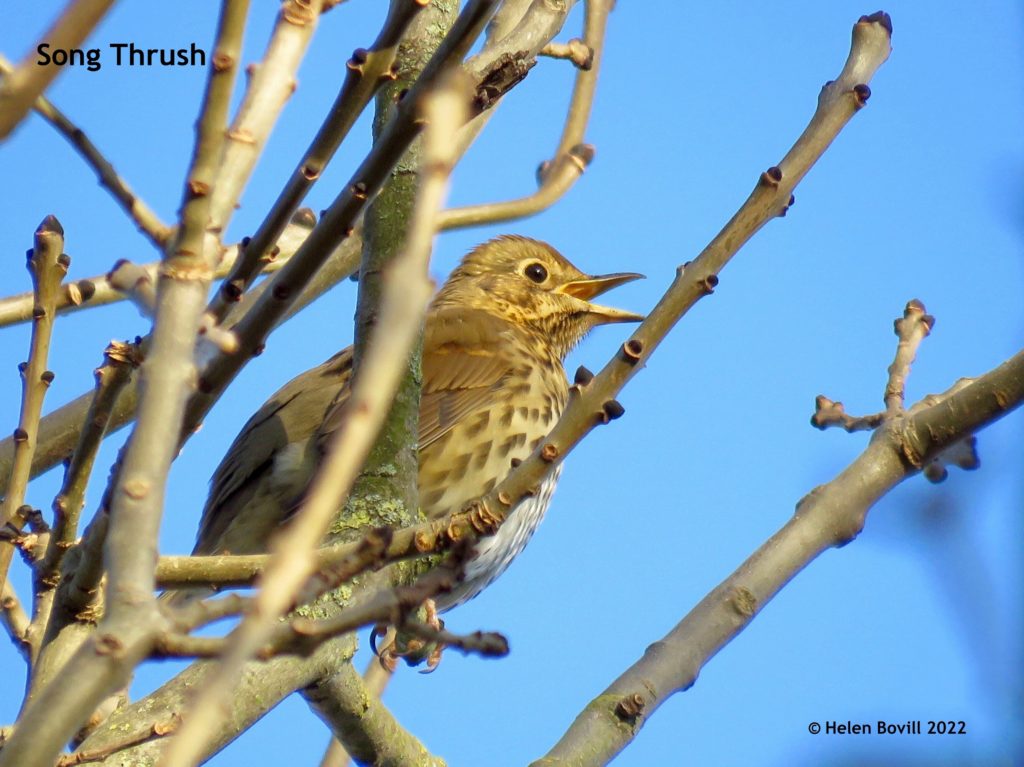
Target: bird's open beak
x: 595, y: 286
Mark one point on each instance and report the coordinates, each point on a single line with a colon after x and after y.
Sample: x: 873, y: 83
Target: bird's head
x: 529, y: 283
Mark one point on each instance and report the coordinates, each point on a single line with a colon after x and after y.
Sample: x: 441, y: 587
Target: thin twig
x: 20, y: 89
x: 365, y: 71
x: 577, y: 51
x: 301, y: 635
x: 407, y: 292
x: 120, y: 360
x: 342, y: 561
x: 84, y: 756
x: 136, y: 283
x: 911, y: 329
x: 146, y: 220
x: 391, y: 605
x: 486, y: 644
x: 829, y: 412
x: 594, y: 403
x: 47, y: 264
x: 94, y: 291
x: 571, y: 157
x: 15, y: 621
x: 136, y: 503
x: 271, y: 83
x: 203, y: 612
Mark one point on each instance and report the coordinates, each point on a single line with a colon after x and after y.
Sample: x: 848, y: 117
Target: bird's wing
x: 291, y: 415
x: 465, y: 360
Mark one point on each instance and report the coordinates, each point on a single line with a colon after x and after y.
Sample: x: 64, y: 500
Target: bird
x: 493, y: 385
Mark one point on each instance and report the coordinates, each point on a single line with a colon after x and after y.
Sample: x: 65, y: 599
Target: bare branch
x: 911, y: 329
x: 130, y: 734
x: 572, y: 156
x: 831, y: 413
x: 348, y: 706
x: 92, y: 678
x: 20, y: 89
x: 58, y: 430
x: 120, y: 361
x: 203, y: 612
x: 97, y: 291
x: 830, y: 516
x: 301, y: 635
x: 136, y: 283
x: 146, y: 220
x: 592, y: 401
x: 15, y: 620
x: 577, y: 51
x: 47, y: 264
x: 486, y: 644
x: 337, y: 699
x: 271, y: 84
x: 365, y: 72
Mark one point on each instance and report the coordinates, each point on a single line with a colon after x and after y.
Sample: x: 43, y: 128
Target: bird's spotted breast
x: 495, y: 554
x: 479, y: 452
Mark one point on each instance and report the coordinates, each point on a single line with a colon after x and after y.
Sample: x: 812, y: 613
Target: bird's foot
x: 409, y: 646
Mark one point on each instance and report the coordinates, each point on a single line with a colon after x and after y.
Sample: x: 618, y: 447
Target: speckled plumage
x: 493, y: 386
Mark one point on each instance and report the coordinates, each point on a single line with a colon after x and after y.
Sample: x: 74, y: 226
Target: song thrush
x: 493, y: 386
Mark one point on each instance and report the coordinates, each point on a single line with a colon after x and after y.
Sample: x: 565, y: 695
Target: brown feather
x: 291, y: 415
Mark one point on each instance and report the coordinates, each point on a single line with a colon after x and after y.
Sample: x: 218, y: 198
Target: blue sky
x: 920, y: 197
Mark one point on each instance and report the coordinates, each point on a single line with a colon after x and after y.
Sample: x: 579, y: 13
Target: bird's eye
x: 536, y: 272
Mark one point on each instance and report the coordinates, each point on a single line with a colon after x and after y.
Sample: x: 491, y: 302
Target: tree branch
x: 97, y: 290
x: 20, y: 89
x: 348, y: 707
x: 571, y: 157
x: 15, y: 621
x: 829, y: 516
x: 271, y: 83
x: 592, y: 398
x: 347, y: 699
x: 128, y: 735
x: 365, y: 72
x: 153, y: 712
x: 120, y: 361
x: 146, y: 220
x: 47, y: 264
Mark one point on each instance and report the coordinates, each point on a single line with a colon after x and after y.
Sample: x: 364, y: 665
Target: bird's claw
x: 412, y: 649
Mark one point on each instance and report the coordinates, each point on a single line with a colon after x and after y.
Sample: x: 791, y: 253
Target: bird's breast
x: 480, y: 450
